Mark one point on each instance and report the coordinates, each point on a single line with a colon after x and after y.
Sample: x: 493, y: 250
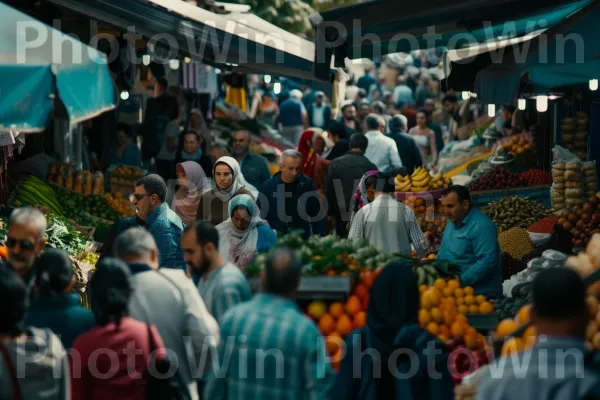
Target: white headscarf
x: 238, y: 180
x: 236, y: 246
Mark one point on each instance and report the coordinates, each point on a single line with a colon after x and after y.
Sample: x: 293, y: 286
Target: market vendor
x: 25, y: 241
x: 471, y: 241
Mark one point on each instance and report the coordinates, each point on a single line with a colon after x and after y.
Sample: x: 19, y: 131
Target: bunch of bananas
x: 421, y: 181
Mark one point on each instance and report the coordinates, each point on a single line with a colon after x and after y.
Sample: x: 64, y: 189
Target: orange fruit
x: 316, y: 309
x: 444, y: 330
x: 440, y: 284
x: 449, y: 316
x: 506, y: 327
x: 343, y: 325
x: 513, y: 346
x: 453, y: 284
x: 457, y: 329
x: 459, y: 293
x: 443, y: 338
x: 333, y: 342
x: 470, y: 340
x: 424, y: 318
x: 530, y: 332
x: 423, y: 288
x: 436, y: 315
x: 430, y: 298
x: 469, y: 291
x: 469, y: 300
x: 450, y: 300
x: 461, y: 318
x: 361, y: 291
x: 473, y: 309
x: 523, y: 314
x: 447, y: 292
x: 463, y: 309
x: 480, y: 299
x: 326, y: 324
x: 486, y: 308
x: 366, y: 278
x: 359, y: 320
x: 336, y: 309
x: 460, y: 301
x: 433, y: 328
x: 353, y: 305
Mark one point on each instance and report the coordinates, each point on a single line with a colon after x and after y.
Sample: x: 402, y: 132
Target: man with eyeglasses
x: 25, y: 241
x: 163, y: 224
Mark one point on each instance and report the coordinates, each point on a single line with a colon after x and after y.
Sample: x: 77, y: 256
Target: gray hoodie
x: 41, y: 365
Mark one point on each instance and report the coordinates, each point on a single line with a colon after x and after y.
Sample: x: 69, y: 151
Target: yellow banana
x: 399, y: 180
x: 417, y: 172
x: 403, y: 187
x: 424, y: 178
x: 438, y: 177
x: 420, y: 189
x: 421, y: 184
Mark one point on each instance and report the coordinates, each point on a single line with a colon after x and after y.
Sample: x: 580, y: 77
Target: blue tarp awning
x: 569, y: 54
x: 375, y: 28
x: 37, y: 63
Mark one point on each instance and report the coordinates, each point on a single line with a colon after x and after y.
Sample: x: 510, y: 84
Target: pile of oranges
x: 122, y: 205
x: 338, y: 319
x: 443, y: 309
x: 514, y: 345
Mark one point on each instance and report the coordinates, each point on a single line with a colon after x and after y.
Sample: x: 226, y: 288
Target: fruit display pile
x: 421, y: 181
x: 516, y: 344
x: 515, y: 242
x: 575, y: 134
x: 511, y: 212
x: 518, y: 145
x: 122, y: 178
x: 443, y: 309
x: 35, y: 192
x: 427, y: 274
x: 497, y: 179
x: 89, y: 258
x: 121, y: 204
x: 75, y: 203
x: 430, y: 215
x: 582, y: 222
x: 535, y: 177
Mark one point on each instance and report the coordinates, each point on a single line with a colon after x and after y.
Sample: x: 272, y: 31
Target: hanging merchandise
x: 590, y: 178
x: 575, y: 134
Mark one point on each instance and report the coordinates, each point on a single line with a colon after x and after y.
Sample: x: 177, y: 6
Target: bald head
x: 282, y: 273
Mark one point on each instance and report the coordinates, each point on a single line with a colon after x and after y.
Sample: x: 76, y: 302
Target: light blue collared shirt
x: 166, y: 228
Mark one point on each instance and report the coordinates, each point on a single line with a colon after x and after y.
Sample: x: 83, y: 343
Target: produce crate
x: 541, y: 194
x: 483, y: 323
x: 317, y: 287
x: 116, y: 181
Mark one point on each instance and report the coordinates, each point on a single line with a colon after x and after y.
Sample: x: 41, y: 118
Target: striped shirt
x: 222, y: 289
x: 389, y: 226
x: 269, y: 350
x: 166, y: 228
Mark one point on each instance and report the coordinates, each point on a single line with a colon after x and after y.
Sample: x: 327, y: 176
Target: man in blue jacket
x: 289, y: 200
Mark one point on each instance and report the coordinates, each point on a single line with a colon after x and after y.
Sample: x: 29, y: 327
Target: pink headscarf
x: 185, y: 203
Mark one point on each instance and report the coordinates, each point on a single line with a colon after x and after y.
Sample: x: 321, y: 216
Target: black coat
x: 410, y: 155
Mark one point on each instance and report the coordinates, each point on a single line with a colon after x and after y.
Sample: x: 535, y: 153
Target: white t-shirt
x: 171, y: 130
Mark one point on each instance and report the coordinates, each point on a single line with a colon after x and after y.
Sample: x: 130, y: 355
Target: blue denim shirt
x: 555, y: 368
x: 473, y: 244
x: 255, y: 169
x: 166, y: 227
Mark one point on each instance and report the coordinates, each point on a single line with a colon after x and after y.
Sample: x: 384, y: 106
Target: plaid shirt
x: 384, y: 222
x: 166, y: 228
x: 269, y: 350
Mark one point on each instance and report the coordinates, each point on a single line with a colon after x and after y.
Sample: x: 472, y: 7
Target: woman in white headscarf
x: 244, y: 234
x: 192, y: 184
x: 229, y: 182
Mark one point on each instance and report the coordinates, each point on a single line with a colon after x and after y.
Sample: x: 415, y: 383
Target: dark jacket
x: 118, y: 227
x: 410, y: 155
x: 344, y: 172
x: 271, y: 203
x: 418, y: 386
x: 62, y: 314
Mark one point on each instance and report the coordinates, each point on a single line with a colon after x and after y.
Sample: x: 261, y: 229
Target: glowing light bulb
x: 491, y: 110
x: 174, y: 64
x: 593, y: 84
x: 124, y: 95
x: 522, y: 103
x: 541, y: 103
x: 146, y: 59
x: 465, y: 95
x: 277, y: 88
x: 267, y: 78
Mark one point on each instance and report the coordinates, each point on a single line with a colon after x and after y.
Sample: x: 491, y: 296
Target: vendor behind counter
x: 471, y: 241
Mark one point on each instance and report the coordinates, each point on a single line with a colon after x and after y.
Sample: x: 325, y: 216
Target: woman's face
x: 181, y: 178
x: 421, y: 119
x: 240, y: 218
x: 319, y: 145
x: 223, y: 176
x: 370, y: 193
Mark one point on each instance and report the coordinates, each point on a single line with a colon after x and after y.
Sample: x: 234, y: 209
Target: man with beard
x: 348, y: 124
x: 254, y: 166
x: 25, y: 241
x: 168, y: 299
x: 221, y: 285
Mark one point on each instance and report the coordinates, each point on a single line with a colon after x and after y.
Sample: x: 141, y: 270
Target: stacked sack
x: 590, y: 178
x: 574, y: 134
x: 574, y: 185
x: 557, y: 192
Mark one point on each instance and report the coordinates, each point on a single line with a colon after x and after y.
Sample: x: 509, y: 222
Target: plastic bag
x: 539, y: 239
x: 560, y: 155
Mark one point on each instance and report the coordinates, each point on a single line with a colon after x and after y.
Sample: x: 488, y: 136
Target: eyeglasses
x: 139, y: 197
x: 24, y: 244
